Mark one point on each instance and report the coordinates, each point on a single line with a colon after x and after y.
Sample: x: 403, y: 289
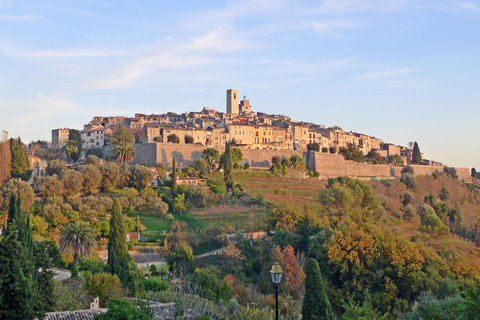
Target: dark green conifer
x: 174, y: 179
x: 416, y: 155
x: 227, y: 173
x: 315, y: 301
x: 17, y: 296
x: 118, y: 257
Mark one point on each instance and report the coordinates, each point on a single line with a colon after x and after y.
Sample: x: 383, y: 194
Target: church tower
x: 232, y: 101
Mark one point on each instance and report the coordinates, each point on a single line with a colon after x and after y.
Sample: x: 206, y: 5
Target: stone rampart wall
x: 328, y: 165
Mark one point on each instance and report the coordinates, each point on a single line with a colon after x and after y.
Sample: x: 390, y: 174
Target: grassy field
x: 255, y: 220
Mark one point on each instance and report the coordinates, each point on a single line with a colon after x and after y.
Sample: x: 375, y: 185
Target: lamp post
x: 276, y: 273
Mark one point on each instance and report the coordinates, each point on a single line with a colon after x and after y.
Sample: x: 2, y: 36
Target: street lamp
x: 276, y: 273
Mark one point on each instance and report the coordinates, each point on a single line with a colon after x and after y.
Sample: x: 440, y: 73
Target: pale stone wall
x: 328, y: 165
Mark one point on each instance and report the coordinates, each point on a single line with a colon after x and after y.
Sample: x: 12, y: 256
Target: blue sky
x: 406, y: 70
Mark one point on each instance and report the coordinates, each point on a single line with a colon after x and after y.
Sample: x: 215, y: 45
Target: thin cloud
x: 58, y: 54
x: 469, y: 5
x: 26, y: 17
x: 197, y: 52
x: 347, y: 6
x: 387, y: 73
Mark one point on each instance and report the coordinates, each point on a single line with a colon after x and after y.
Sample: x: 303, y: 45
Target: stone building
x: 59, y: 136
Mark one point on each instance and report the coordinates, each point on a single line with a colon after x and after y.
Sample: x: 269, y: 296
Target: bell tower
x: 232, y: 101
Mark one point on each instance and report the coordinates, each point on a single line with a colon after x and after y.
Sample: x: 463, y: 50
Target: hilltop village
x: 239, y: 124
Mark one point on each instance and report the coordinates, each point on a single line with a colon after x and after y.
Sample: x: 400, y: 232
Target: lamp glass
x: 276, y: 273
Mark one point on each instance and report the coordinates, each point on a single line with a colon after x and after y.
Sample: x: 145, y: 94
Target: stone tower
x: 232, y: 101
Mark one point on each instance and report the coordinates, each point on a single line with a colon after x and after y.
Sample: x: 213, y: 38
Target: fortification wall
x: 328, y: 165
x: 185, y: 154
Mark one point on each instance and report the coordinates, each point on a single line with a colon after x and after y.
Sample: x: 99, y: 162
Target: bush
x: 408, y: 169
x: 155, y: 284
x: 332, y: 150
x: 409, y: 213
x: 217, y: 186
x: 188, y: 139
x: 105, y: 286
x: 313, y: 146
x: 324, y: 150
x: 408, y: 180
x: 407, y: 198
x: 197, y: 197
x: 173, y: 138
x: 247, y: 165
x: 432, y: 224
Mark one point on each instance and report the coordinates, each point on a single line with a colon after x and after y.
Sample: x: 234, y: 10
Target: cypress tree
x: 474, y: 173
x: 227, y: 174
x: 44, y: 277
x: 118, y: 258
x: 315, y: 301
x: 22, y: 272
x: 17, y: 297
x: 416, y: 155
x: 174, y: 179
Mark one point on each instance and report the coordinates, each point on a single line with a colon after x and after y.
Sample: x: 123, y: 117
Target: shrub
x: 313, y: 146
x: 432, y: 224
x: 155, y: 284
x: 217, y: 186
x: 188, y: 139
x: 408, y: 169
x: 105, y: 286
x: 197, y: 196
x: 247, y: 165
x: 408, y: 180
x: 173, y: 138
x: 324, y: 150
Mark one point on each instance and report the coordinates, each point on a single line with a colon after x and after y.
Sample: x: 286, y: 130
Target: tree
x: 91, y: 178
x: 98, y: 152
x: 118, y: 258
x: 474, y: 172
x: 122, y: 144
x: 20, y: 166
x: 161, y: 169
x: 75, y: 136
x: 112, y: 175
x: 211, y: 156
x: 228, y: 166
x: 72, y: 182
x: 17, y: 297
x: 50, y: 186
x: 140, y: 177
x: 70, y: 148
x: 416, y: 155
x: 408, y: 169
x: 237, y: 155
x: 70, y: 295
x: 315, y: 302
x: 173, y: 138
x: 188, y: 139
x: 25, y: 281
x: 56, y: 166
x: 5, y: 157
x: 78, y: 237
x: 332, y: 150
x: 158, y: 139
x: 408, y: 180
x: 105, y: 286
x: 174, y: 179
x: 119, y: 309
x: 313, y: 146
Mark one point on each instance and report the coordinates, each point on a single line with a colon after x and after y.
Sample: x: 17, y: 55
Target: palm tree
x: 124, y: 151
x: 77, y: 236
x: 70, y: 148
